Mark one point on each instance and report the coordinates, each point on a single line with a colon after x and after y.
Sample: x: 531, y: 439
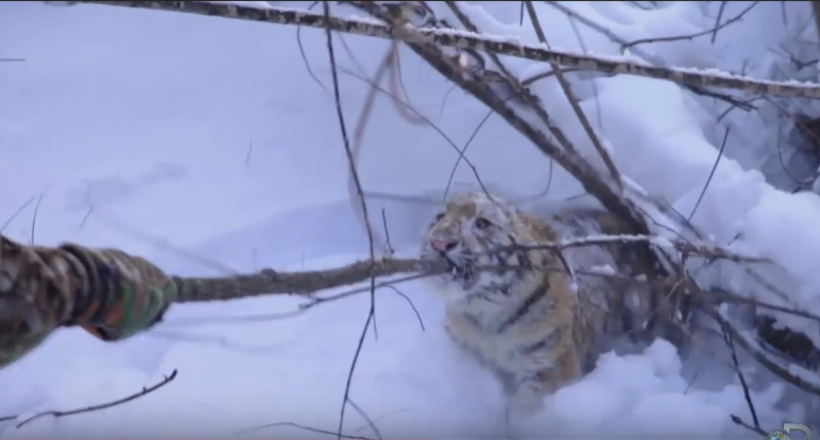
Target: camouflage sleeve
x: 105, y: 291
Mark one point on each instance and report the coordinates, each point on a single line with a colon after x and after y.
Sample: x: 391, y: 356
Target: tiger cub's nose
x: 443, y: 245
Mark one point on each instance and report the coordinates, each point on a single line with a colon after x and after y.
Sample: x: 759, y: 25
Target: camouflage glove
x: 123, y: 295
x: 107, y: 292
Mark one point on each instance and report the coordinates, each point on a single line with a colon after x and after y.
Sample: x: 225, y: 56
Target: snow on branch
x: 510, y: 46
x: 704, y: 249
x: 271, y: 282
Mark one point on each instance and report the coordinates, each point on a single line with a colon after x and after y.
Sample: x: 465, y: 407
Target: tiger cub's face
x: 466, y: 233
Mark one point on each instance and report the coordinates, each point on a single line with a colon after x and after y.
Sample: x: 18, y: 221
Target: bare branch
x: 399, y: 101
x: 717, y: 21
x: 410, y: 302
x: 253, y: 429
x: 351, y: 158
x: 16, y: 213
x: 653, y: 60
x: 729, y: 297
x: 462, y: 154
x: 366, y: 418
x: 704, y: 249
x: 87, y: 409
x: 790, y: 374
x: 738, y: 421
x: 521, y: 92
x: 695, y: 35
x: 34, y: 217
x: 460, y: 39
x: 302, y: 49
x: 390, y: 250
x: 573, y: 100
x: 355, y: 193
x: 711, y: 174
x: 746, y: 394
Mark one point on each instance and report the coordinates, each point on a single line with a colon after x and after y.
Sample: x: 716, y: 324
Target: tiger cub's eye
x: 482, y: 223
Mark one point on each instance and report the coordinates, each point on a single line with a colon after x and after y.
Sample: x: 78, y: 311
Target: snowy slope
x: 147, y: 126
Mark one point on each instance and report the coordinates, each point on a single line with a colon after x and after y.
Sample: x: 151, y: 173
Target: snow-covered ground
x: 157, y: 132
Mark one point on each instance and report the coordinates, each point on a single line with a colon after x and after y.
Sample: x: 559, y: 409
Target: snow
x: 174, y: 136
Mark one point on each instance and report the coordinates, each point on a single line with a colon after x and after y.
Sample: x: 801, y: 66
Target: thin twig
x: 714, y: 31
x: 219, y: 341
x: 537, y: 77
x: 729, y: 297
x: 419, y: 200
x: 652, y: 59
x: 250, y: 152
x: 143, y: 392
x: 738, y: 421
x: 743, y: 105
x: 523, y: 94
x: 355, y: 193
x: 301, y: 309
x: 409, y: 301
x: 371, y: 314
x: 717, y: 20
x: 161, y: 243
x: 462, y: 154
x: 781, y: 371
x: 383, y: 416
x: 302, y: 49
x: 390, y: 250
x: 593, y: 80
x: 711, y: 174
x: 529, y: 99
x: 573, y: 100
x: 366, y: 418
x: 429, y: 122
x: 783, y: 13
x: 733, y: 353
x: 704, y: 249
x: 399, y: 89
x: 296, y: 425
x: 16, y: 213
x: 317, y: 301
x: 34, y: 216
x: 87, y: 215
x: 691, y: 382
